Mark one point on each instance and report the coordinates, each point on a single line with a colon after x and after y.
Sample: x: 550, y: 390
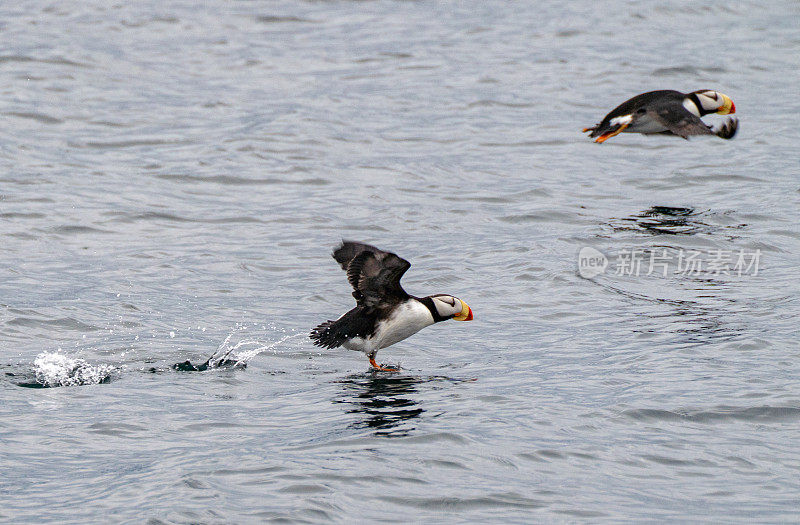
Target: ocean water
x: 173, y: 178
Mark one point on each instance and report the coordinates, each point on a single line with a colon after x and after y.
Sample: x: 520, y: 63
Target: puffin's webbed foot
x: 611, y: 131
x: 376, y: 366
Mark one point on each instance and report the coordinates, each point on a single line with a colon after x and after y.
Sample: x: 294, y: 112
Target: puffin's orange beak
x: 727, y: 107
x: 466, y: 313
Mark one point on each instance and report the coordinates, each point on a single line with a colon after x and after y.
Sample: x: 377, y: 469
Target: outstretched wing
x: 373, y: 274
x: 679, y: 121
x: 348, y: 250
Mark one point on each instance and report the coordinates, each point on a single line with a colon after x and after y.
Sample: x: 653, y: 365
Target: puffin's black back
x: 358, y: 322
x: 632, y: 104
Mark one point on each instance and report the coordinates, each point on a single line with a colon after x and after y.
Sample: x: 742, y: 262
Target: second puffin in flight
x: 384, y: 314
x: 669, y: 112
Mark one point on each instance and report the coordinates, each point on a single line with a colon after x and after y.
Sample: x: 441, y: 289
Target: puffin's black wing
x: 348, y: 250
x: 678, y: 120
x: 374, y: 274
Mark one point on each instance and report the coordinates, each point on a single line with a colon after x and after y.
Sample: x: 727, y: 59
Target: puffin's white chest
x: 406, y: 320
x: 643, y: 124
x: 646, y: 125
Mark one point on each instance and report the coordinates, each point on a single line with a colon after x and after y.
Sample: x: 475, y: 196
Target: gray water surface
x: 175, y: 175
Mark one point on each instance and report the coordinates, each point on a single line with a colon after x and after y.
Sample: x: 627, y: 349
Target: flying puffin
x: 669, y: 112
x: 384, y: 314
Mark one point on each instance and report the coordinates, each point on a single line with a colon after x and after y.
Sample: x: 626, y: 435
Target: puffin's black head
x: 449, y: 307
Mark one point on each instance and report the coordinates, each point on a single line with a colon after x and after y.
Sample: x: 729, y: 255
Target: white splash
x: 56, y: 369
x: 243, y: 350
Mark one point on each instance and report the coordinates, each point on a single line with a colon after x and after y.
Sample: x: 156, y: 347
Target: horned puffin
x: 669, y: 112
x: 384, y: 314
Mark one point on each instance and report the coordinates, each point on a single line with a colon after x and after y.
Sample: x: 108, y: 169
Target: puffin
x: 668, y: 112
x: 384, y: 314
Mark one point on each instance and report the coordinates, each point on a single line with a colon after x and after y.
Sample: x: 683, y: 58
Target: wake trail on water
x: 55, y: 369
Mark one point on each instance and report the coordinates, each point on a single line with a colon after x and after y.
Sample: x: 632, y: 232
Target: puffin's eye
x: 641, y: 111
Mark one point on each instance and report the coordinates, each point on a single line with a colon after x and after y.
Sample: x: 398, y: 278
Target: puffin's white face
x: 715, y: 102
x: 450, y: 307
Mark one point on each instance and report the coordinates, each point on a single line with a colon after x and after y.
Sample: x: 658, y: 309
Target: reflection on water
x: 692, y: 323
x: 670, y: 220
x: 382, y: 402
x: 703, y: 325
x: 665, y: 220
x: 695, y: 306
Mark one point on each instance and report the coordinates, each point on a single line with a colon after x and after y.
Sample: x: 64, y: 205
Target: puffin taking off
x: 384, y: 312
x: 669, y: 112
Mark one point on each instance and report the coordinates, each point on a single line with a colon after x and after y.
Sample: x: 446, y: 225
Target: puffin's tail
x: 326, y: 335
x: 728, y: 128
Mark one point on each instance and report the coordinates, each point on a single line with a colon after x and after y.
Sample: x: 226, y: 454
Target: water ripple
x: 753, y: 414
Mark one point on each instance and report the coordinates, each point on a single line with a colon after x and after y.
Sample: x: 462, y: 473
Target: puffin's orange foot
x: 608, y: 134
x: 376, y: 366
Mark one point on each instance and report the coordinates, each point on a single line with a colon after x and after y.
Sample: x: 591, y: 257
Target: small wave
x: 686, y: 70
x: 276, y: 19
x: 232, y: 180
x: 763, y: 413
x: 55, y: 60
x: 75, y: 229
x: 32, y: 115
x: 54, y: 369
x: 131, y: 143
